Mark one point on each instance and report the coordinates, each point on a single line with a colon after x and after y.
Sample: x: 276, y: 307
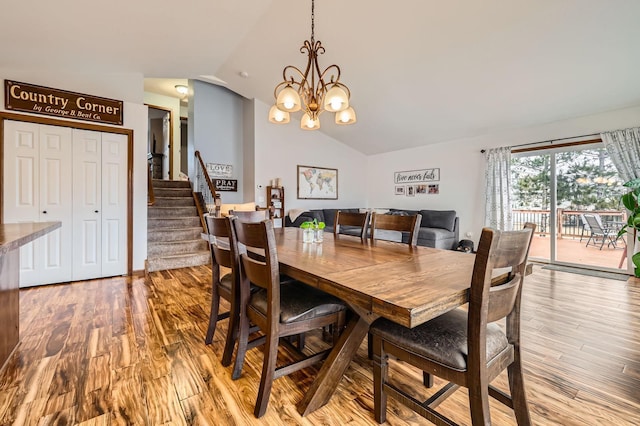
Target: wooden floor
x: 130, y: 351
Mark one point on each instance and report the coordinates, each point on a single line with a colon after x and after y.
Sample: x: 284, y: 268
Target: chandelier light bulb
x: 348, y: 116
x: 278, y: 116
x: 308, y: 123
x: 336, y: 99
x: 288, y: 99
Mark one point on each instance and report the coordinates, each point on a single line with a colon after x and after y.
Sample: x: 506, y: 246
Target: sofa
x: 438, y: 228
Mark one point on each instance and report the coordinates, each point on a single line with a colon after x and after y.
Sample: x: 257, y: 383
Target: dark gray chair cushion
x: 226, y: 281
x: 299, y: 302
x: 443, y: 339
x: 445, y: 219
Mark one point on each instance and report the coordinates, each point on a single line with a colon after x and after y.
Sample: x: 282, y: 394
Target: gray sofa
x: 438, y: 228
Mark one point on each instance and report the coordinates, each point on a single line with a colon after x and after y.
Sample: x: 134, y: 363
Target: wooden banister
x: 212, y: 189
x: 151, y: 198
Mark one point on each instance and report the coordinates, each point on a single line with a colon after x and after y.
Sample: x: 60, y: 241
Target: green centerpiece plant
x: 312, y: 230
x: 630, y: 201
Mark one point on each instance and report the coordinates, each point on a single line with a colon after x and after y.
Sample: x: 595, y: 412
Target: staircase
x: 174, y: 228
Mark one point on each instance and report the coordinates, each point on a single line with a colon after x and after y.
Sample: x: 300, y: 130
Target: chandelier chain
x: 313, y: 24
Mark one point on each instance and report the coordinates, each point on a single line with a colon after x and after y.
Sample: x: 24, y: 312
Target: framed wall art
x: 317, y: 183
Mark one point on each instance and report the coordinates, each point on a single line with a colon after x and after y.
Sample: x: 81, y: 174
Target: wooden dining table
x: 408, y: 285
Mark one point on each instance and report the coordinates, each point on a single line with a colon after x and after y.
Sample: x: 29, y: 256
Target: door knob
x: 95, y: 211
x: 44, y: 211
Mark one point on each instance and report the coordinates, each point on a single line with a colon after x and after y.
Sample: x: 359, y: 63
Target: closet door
x: 37, y: 181
x: 87, y: 204
x: 114, y: 204
x: 55, y: 204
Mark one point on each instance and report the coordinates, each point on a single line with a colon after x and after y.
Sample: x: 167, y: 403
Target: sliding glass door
x: 563, y: 191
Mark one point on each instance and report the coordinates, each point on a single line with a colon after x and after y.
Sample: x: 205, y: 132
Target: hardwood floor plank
x: 129, y: 404
x: 131, y: 351
x: 162, y: 402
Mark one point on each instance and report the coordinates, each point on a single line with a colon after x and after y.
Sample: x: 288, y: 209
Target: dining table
x: 405, y: 284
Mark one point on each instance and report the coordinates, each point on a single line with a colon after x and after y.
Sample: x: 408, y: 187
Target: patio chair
x: 600, y: 233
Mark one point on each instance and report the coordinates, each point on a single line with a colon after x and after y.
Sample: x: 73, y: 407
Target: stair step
x: 173, y: 234
x: 161, y: 183
x: 172, y: 192
x: 181, y: 222
x: 158, y: 249
x: 171, y: 212
x: 178, y: 261
x: 173, y: 201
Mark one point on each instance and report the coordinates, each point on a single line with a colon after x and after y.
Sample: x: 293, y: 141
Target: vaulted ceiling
x: 420, y: 71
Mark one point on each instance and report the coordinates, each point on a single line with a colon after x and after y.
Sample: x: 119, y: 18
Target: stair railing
x: 151, y: 198
x: 207, y: 197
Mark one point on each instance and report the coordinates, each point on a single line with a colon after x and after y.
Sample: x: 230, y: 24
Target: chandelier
x: 310, y: 90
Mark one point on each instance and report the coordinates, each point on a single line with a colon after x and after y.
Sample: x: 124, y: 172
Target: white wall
x: 461, y: 164
x: 280, y: 148
x: 126, y: 87
x: 172, y: 104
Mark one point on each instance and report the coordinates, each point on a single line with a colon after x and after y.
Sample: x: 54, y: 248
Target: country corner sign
x: 60, y: 103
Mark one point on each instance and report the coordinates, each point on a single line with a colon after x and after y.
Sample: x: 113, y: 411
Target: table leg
x: 335, y: 365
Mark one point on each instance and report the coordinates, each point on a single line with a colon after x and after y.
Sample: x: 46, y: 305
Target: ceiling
x: 420, y: 71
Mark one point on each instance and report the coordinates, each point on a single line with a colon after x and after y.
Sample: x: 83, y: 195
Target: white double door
x: 77, y: 177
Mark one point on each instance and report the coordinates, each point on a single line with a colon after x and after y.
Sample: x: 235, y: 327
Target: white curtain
x: 623, y: 147
x: 498, y: 213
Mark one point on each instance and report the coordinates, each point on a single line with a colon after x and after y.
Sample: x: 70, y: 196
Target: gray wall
x: 216, y: 130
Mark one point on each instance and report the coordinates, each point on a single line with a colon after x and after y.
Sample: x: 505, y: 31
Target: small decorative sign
x: 411, y: 176
x: 229, y: 185
x: 61, y: 103
x: 220, y: 170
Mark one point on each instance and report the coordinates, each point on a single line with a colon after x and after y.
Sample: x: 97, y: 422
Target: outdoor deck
x: 572, y: 250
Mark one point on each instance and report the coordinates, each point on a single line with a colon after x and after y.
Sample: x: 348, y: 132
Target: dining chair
x: 464, y: 347
x: 223, y: 254
x: 278, y: 309
x: 599, y: 231
x: 251, y: 215
x: 349, y: 220
x: 389, y: 222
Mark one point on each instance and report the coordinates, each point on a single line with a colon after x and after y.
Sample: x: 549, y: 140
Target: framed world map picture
x: 317, y: 183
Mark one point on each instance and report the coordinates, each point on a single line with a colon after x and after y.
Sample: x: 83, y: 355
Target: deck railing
x: 569, y: 222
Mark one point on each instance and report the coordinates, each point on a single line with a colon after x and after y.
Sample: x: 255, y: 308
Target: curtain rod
x: 551, y: 141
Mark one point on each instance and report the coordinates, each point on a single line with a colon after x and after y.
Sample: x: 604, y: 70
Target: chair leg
x: 337, y: 328
x: 380, y: 371
x: 427, y: 379
x: 301, y: 341
x: 243, y: 340
x: 232, y: 334
x: 518, y: 395
x: 268, y: 372
x: 479, y: 403
x: 213, y: 315
x: 369, y: 346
